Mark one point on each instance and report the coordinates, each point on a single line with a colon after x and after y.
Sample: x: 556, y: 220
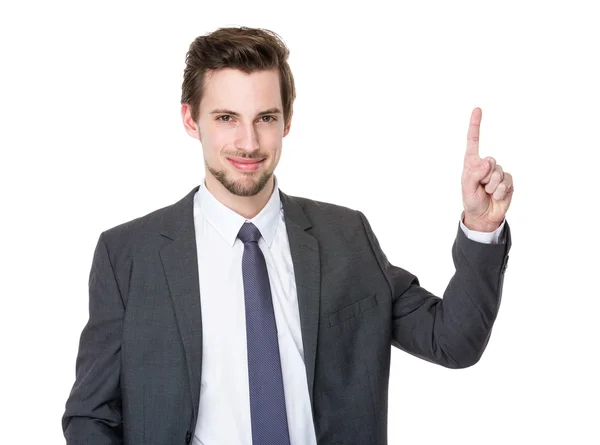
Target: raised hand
x: 486, y: 188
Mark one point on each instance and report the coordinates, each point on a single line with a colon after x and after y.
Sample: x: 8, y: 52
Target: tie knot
x: 249, y: 233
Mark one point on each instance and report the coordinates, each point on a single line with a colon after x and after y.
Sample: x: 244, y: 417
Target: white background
x: 91, y: 137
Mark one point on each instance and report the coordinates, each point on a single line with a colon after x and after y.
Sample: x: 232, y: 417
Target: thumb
x: 475, y: 175
x: 481, y: 171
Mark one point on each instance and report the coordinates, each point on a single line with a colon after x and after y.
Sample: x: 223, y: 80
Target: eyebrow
x: 233, y: 113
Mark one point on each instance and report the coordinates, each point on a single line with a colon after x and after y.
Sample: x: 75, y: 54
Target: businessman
x: 243, y: 315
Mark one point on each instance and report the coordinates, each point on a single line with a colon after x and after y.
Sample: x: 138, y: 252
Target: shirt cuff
x: 482, y: 237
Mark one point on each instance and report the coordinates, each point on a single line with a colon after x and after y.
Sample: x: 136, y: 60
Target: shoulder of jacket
x: 311, y: 206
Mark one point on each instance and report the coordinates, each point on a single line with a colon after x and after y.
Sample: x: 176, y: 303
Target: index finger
x: 473, y: 134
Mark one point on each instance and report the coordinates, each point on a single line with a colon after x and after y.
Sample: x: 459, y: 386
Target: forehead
x: 234, y: 89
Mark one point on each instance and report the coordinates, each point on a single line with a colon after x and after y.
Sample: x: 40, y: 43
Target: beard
x: 242, y: 187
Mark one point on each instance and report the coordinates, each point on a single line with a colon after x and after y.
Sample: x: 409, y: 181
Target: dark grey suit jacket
x: 140, y: 355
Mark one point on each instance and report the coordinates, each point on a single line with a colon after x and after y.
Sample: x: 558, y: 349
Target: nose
x: 247, y: 138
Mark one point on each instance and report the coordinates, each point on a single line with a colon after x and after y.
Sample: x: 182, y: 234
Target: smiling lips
x: 245, y: 165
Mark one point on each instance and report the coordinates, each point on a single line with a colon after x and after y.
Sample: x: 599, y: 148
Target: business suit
x: 140, y: 359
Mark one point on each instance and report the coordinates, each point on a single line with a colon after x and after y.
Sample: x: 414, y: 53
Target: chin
x: 242, y: 183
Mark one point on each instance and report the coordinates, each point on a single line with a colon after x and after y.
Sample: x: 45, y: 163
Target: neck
x: 246, y: 206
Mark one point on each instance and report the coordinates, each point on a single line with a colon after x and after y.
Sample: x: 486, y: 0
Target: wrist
x: 479, y: 226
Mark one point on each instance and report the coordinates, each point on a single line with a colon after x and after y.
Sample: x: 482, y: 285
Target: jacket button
x: 188, y: 437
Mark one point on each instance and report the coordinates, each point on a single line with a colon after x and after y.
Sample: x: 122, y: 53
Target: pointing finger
x: 473, y: 135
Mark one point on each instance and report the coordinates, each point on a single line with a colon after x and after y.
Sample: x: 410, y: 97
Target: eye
x: 271, y: 118
x: 224, y: 120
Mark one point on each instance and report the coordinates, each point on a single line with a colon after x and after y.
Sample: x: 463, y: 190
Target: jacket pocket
x: 353, y: 310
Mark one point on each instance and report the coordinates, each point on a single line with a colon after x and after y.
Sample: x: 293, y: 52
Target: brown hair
x: 246, y: 49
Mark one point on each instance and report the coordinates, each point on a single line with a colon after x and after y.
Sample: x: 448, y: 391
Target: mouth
x: 245, y: 165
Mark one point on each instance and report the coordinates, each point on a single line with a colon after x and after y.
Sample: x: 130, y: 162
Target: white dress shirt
x: 224, y: 412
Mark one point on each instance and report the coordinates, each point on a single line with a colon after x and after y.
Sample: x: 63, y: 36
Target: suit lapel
x: 307, y: 270
x: 180, y: 263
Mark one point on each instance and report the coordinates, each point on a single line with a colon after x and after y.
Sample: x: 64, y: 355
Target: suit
x: 140, y: 357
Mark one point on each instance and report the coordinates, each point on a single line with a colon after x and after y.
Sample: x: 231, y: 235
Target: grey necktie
x: 267, y: 399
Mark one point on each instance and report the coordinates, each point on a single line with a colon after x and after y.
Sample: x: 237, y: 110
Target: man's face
x: 240, y: 125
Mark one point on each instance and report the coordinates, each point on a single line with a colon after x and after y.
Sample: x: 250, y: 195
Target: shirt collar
x: 228, y: 223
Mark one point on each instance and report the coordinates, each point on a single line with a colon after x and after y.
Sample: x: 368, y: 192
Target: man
x: 242, y: 315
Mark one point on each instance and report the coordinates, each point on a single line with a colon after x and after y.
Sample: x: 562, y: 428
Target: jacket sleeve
x: 452, y: 331
x: 93, y: 409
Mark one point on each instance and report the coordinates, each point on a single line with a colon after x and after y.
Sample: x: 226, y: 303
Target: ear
x: 190, y: 126
x: 286, y: 129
